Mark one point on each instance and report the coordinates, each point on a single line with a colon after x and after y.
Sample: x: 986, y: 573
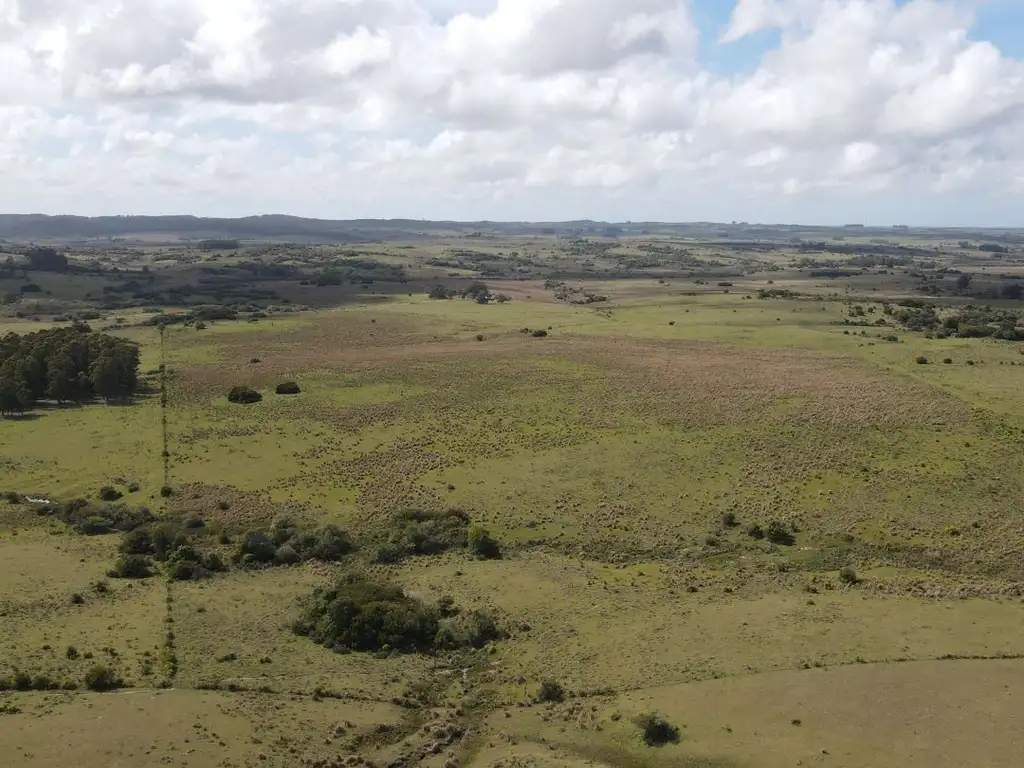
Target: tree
x: 105, y: 374
x: 963, y: 282
x: 14, y: 395
x: 62, y: 378
x: 1013, y: 291
x: 46, y: 259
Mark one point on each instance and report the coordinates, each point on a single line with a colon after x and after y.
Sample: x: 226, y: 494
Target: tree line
x: 70, y: 364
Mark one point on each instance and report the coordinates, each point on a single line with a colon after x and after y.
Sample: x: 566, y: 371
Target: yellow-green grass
x: 917, y: 715
x: 594, y: 627
x: 120, y: 627
x: 181, y: 727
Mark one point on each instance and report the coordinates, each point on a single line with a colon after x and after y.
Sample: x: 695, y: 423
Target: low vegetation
x: 363, y: 613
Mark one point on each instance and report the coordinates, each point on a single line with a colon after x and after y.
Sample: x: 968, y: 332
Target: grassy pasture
x: 620, y: 461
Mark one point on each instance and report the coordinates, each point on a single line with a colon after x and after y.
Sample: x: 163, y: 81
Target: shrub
x: 71, y: 653
x: 479, y: 337
x: 848, y: 576
x: 921, y: 360
x: 137, y: 542
x: 755, y: 531
x: 255, y: 546
x: 12, y: 498
x: 286, y: 555
x: 657, y: 731
x: 101, y: 678
x: 779, y: 533
x: 287, y: 388
x: 540, y: 333
x: 131, y: 567
x: 244, y: 396
x: 472, y: 629
x: 109, y: 493
x: 418, y: 532
x: 729, y: 520
x: 552, y: 691
x: 363, y: 614
x: 482, y: 545
x: 166, y: 490
x: 947, y: 361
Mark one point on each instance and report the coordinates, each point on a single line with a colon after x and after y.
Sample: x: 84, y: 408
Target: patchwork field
x: 782, y: 534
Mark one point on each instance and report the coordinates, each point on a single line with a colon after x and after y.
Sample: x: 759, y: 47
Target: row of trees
x: 65, y: 364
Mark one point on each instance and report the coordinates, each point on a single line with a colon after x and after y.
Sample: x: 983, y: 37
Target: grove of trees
x: 65, y: 364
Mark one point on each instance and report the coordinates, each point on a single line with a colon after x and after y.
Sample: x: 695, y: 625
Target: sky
x: 772, y: 111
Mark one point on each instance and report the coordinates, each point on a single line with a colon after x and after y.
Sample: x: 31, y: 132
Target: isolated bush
x: 109, y: 493
x: 551, y: 691
x: 848, y: 576
x: 947, y: 361
x: 755, y: 531
x: 12, y: 497
x: 287, y: 388
x: 479, y: 337
x: 244, y: 396
x: 166, y: 490
x: 482, y: 545
x: 539, y: 333
x: 779, y: 533
x: 657, y: 731
x: 101, y: 678
x: 729, y: 520
x: 360, y: 613
x: 131, y: 567
x: 921, y: 360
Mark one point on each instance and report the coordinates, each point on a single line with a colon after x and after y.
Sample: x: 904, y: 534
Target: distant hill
x: 39, y: 227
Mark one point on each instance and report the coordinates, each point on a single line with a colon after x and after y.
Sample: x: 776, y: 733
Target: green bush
x: 657, y: 731
x: 287, y: 388
x: 418, y: 532
x: 755, y: 531
x: 244, y: 395
x: 921, y: 360
x: 131, y: 567
x: 540, y: 333
x: 848, y: 576
x: 109, y: 493
x: 255, y: 546
x: 101, y: 678
x: 137, y: 542
x: 551, y: 691
x: 482, y: 545
x: 469, y: 629
x: 363, y: 614
x: 779, y: 533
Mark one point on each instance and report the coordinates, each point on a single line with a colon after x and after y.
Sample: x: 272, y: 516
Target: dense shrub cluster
x: 132, y: 567
x: 360, y: 613
x: 420, y: 532
x: 287, y: 543
x: 65, y: 364
x: 96, y: 519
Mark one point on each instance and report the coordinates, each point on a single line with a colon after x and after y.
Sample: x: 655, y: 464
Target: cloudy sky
x: 815, y: 111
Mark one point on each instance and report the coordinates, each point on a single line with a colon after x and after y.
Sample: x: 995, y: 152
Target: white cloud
x: 499, y: 108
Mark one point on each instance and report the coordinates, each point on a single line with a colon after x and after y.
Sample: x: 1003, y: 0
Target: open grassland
x: 630, y: 463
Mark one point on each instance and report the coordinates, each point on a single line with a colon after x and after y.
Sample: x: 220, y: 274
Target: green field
x: 781, y: 531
